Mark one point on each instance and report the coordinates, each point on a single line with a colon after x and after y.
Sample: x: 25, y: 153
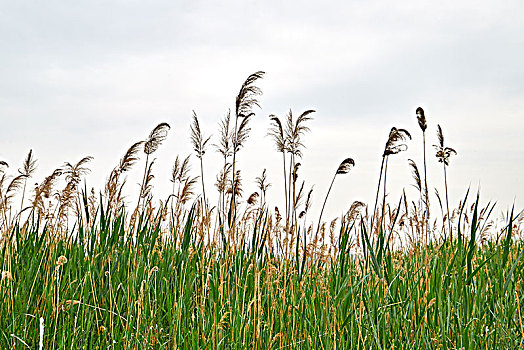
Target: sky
x: 93, y: 77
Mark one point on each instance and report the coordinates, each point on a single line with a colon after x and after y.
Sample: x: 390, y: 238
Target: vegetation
x: 81, y: 270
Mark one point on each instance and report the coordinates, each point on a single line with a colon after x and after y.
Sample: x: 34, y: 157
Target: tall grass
x: 104, y: 286
x: 81, y: 270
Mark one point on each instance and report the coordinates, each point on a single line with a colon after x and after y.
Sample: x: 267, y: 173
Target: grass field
x: 82, y: 270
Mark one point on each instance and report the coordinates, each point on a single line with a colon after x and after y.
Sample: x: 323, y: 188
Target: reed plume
x: 253, y: 198
x: 73, y: 173
x: 263, y: 186
x: 416, y: 176
x: 28, y: 169
x: 354, y: 211
x: 151, y: 144
x: 180, y: 176
x: 14, y: 186
x: 180, y: 170
x: 73, y: 176
x: 187, y: 189
x: 421, y: 118
x: 156, y: 137
x: 145, y: 194
x: 6, y: 198
x: 235, y: 188
x: 114, y: 184
x: 222, y: 178
x: 130, y: 158
x: 307, y: 206
x: 44, y: 191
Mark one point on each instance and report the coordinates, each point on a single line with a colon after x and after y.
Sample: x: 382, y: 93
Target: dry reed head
x: 199, y: 144
x: 346, y: 165
x: 114, y: 184
x: 224, y: 146
x: 187, y: 189
x: 443, y: 153
x: 421, y: 119
x: 276, y: 131
x: 180, y: 171
x: 14, y: 186
x: 278, y: 217
x: 416, y: 175
x: 74, y: 173
x: 294, y: 131
x: 395, y: 143
x: 175, y: 170
x: 241, y: 134
x: 354, y: 211
x: 237, y: 185
x: 222, y: 177
x: 156, y: 137
x: 295, y: 172
x: 148, y: 186
x: 308, y: 200
x: 253, y: 198
x: 29, y: 166
x: 130, y: 158
x: 61, y: 260
x: 66, y: 198
x: 300, y: 195
x: 245, y: 101
x: 262, y: 182
x: 247, y: 96
x: 440, y: 136
x: 43, y: 190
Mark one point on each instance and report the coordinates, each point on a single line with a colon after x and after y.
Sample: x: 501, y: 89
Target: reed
x: 443, y: 155
x: 81, y: 270
x: 394, y: 145
x: 199, y: 146
x: 421, y: 118
x: 245, y: 101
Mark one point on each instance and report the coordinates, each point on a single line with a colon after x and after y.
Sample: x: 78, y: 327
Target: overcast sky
x: 93, y: 77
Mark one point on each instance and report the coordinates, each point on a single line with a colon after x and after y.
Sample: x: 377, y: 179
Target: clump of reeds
x: 288, y: 139
x: 79, y: 273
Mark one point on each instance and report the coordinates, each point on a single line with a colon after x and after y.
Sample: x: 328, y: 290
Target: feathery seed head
x: 346, y: 165
x: 443, y: 154
x: 421, y: 119
x: 156, y: 137
x: 395, y: 141
x: 61, y: 260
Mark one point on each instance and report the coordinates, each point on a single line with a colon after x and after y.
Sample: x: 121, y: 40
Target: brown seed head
x: 61, y: 260
x: 421, y: 119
